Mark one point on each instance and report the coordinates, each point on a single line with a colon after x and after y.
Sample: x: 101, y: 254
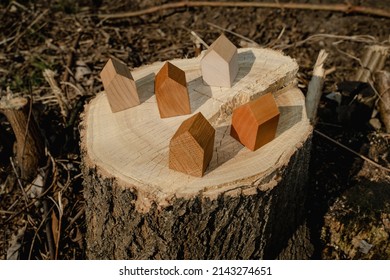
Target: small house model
x: 119, y: 86
x: 191, y: 148
x: 219, y: 64
x: 254, y: 124
x: 171, y: 91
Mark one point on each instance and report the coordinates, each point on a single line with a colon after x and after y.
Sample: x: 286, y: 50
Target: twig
x: 7, y: 212
x: 49, y: 232
x: 49, y: 77
x: 15, y: 3
x: 343, y: 8
x: 35, y: 236
x: 26, y: 131
x: 33, y: 200
x: 59, y: 221
x: 271, y: 44
x: 19, y: 181
x: 355, y: 38
x: 69, y: 60
x: 47, y: 211
x: 234, y: 33
x: 352, y: 151
x: 76, y: 112
x: 7, y: 40
x: 330, y: 124
x: 77, y: 90
x: 198, y: 39
x: 76, y: 217
x: 35, y: 21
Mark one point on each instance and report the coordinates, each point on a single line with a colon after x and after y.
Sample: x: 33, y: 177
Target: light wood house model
x: 119, y: 86
x: 254, y: 124
x: 191, y: 147
x: 219, y: 64
x: 171, y: 91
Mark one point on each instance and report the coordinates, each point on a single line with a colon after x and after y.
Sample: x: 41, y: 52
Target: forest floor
x: 68, y: 38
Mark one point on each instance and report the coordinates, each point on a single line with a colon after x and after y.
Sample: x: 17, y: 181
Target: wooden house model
x: 219, y: 64
x: 119, y: 86
x: 254, y: 124
x: 171, y: 91
x: 191, y: 147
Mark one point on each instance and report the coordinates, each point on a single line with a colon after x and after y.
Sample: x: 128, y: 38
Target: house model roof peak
x: 195, y: 126
x: 223, y: 47
x: 112, y: 68
x: 173, y: 72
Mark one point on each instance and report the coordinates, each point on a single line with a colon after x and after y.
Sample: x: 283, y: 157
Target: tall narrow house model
x: 171, y: 91
x: 119, y: 86
x: 220, y: 63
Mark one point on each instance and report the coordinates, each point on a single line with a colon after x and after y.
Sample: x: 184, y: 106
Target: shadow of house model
x: 171, y: 91
x: 254, y: 124
x: 191, y: 147
x: 219, y: 64
x: 119, y: 86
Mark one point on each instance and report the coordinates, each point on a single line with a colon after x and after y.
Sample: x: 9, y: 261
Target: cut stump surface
x: 156, y: 212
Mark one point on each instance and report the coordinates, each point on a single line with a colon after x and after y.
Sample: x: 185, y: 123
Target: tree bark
x: 248, y: 205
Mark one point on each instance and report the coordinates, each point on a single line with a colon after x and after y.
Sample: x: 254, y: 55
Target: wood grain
x: 191, y: 147
x: 171, y: 91
x: 254, y: 124
x: 220, y: 63
x: 119, y: 86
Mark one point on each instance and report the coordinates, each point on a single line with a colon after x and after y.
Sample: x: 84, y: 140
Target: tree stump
x: 247, y: 205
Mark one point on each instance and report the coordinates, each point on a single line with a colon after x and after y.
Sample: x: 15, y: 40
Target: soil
x: 68, y: 37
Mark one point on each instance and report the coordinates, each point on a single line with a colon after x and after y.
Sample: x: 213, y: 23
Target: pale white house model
x: 219, y: 64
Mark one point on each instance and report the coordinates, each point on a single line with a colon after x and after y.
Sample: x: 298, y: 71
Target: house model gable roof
x: 112, y: 69
x: 223, y: 48
x: 196, y: 126
x: 171, y: 72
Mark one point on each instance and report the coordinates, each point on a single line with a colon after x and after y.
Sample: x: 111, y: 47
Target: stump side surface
x: 256, y: 225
